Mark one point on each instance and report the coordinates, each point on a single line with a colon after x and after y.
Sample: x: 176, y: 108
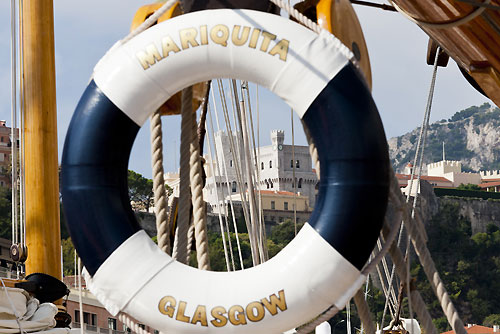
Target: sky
x: 85, y: 30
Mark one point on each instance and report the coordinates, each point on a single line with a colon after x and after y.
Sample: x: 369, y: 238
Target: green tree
x: 469, y: 186
x: 5, y: 213
x: 140, y: 191
x: 492, y: 320
x: 68, y: 253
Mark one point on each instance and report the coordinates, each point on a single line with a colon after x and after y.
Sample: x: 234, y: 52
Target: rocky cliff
x: 471, y: 136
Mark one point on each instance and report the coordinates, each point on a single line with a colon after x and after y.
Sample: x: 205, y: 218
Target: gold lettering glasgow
x: 219, y: 34
x: 220, y: 316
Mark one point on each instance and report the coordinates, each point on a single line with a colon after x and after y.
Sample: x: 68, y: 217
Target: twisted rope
x: 160, y: 194
x: 432, y: 275
x: 364, y: 312
x: 149, y: 21
x: 184, y: 213
x: 400, y: 266
x: 195, y: 176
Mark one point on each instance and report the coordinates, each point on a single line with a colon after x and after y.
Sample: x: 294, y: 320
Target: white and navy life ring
x: 320, y: 267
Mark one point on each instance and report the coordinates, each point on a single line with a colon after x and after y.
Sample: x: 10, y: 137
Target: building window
x: 262, y: 165
x: 126, y: 329
x: 141, y: 326
x: 89, y: 318
x: 77, y: 316
x: 267, y: 184
x: 112, y: 323
x: 2, y: 139
x: 300, y: 184
x: 297, y: 164
x: 271, y: 183
x: 230, y: 163
x: 285, y: 205
x: 280, y: 219
x: 270, y: 164
x: 291, y: 163
x: 273, y: 205
x: 234, y: 187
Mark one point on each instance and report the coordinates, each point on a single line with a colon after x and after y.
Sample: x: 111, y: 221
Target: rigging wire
x: 235, y: 226
x: 14, y: 182
x: 294, y: 182
x: 218, y: 202
x: 236, y: 154
x: 445, y: 24
x: 262, y: 231
x: 242, y: 122
x: 22, y: 207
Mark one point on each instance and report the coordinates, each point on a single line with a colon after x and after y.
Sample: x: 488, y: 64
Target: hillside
x: 471, y: 136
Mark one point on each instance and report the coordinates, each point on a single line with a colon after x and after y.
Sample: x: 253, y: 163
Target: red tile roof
x: 423, y: 177
x: 272, y: 192
x: 490, y: 180
x: 475, y: 329
x: 489, y: 184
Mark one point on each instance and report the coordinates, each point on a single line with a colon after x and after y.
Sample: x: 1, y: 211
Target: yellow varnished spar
x: 173, y: 105
x: 40, y: 126
x: 339, y: 18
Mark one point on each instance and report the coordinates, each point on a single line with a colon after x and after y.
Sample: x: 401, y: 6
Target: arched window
x: 267, y: 184
x: 261, y: 165
x: 300, y: 184
x: 230, y: 163
x: 234, y: 187
x: 270, y: 164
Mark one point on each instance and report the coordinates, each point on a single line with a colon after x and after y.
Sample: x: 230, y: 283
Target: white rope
x: 217, y: 175
x: 294, y: 179
x: 243, y: 121
x: 236, y: 154
x: 446, y: 24
x: 253, y: 246
x: 213, y: 172
x: 245, y: 92
x: 235, y: 226
x: 80, y: 303
x: 304, y: 20
x: 160, y: 195
x: 196, y: 183
x: 150, y: 20
x: 261, y: 210
x: 184, y: 212
x: 14, y: 182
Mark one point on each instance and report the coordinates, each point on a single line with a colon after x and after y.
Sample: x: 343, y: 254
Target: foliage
x: 5, y: 213
x: 492, y: 320
x: 466, y: 113
x: 469, y: 186
x: 140, y: 191
x: 68, y: 253
x: 468, y: 264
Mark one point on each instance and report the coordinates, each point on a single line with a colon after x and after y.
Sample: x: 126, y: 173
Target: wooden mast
x: 40, y: 128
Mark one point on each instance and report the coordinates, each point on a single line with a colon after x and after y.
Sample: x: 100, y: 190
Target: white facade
x: 274, y: 170
x: 490, y: 175
x: 452, y: 170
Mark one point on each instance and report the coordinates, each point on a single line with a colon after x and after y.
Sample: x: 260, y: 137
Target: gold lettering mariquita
x: 220, y: 316
x: 219, y: 34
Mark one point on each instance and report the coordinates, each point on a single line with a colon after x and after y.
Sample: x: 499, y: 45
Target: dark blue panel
x: 347, y: 131
x: 94, y: 177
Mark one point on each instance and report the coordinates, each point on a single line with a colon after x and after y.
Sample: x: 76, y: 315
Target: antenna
x: 444, y: 157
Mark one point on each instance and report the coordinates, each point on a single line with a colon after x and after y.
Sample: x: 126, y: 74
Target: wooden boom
x: 474, y: 44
